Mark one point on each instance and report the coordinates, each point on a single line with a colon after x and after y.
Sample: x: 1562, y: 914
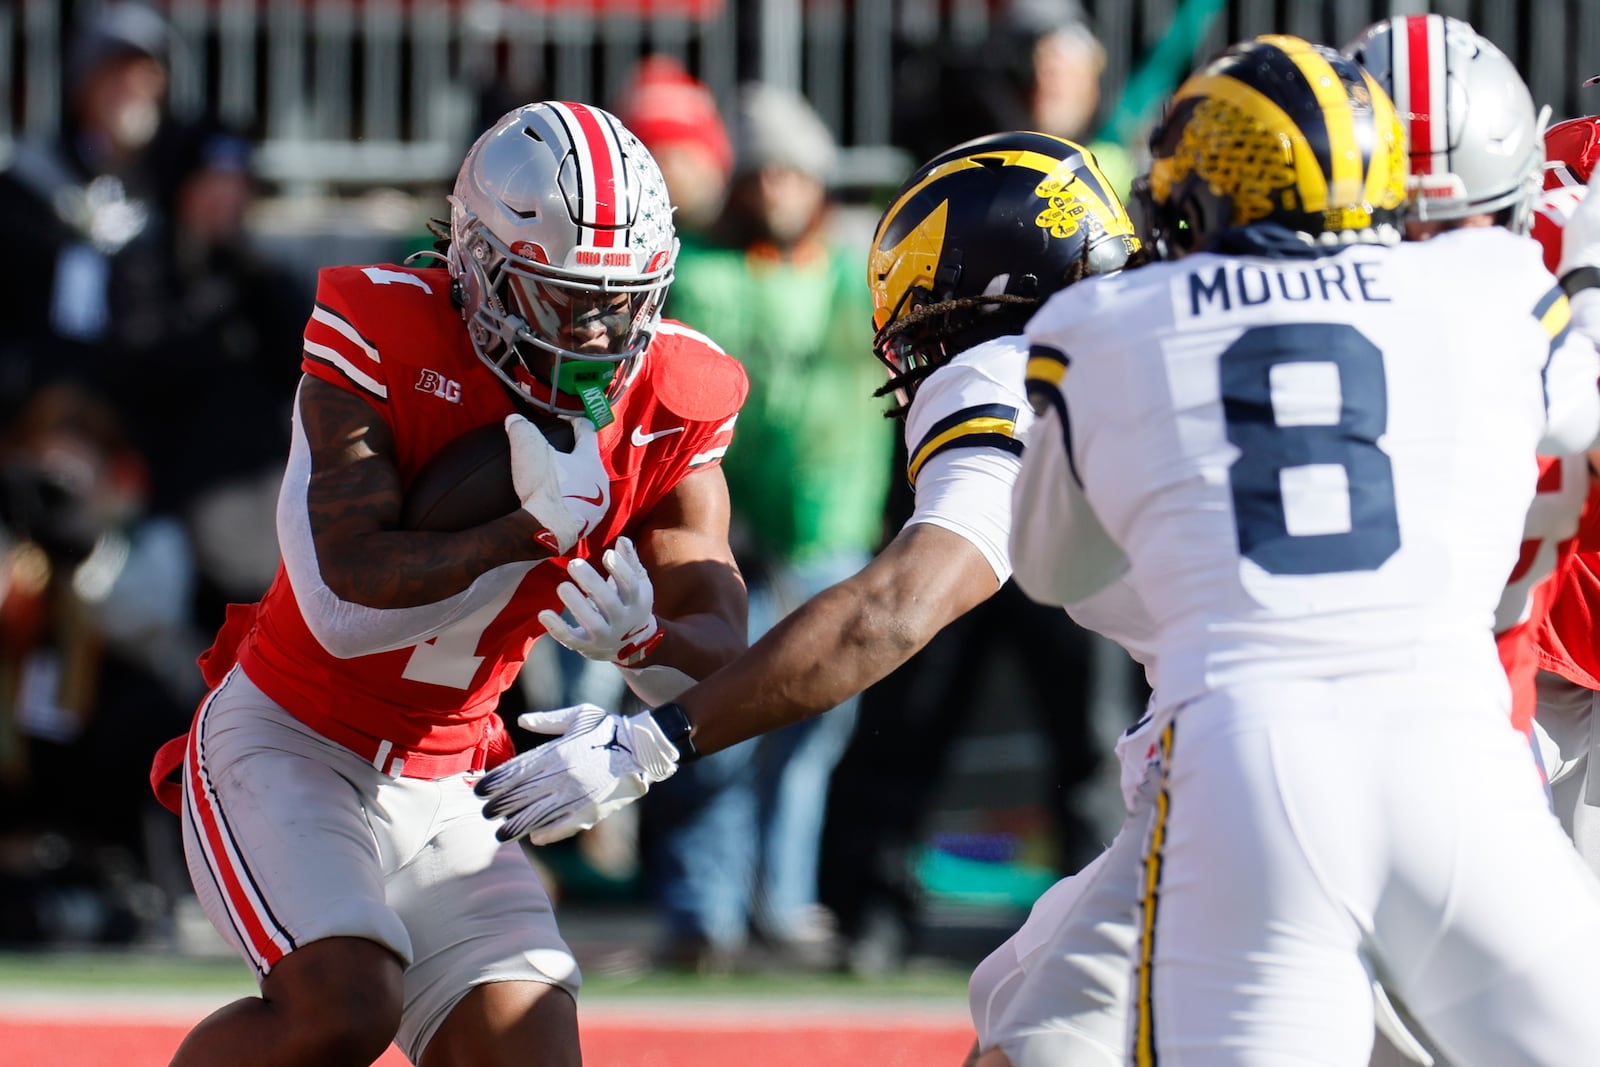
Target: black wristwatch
x: 674, y: 722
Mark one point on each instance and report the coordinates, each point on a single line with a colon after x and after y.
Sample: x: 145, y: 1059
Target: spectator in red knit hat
x: 678, y: 120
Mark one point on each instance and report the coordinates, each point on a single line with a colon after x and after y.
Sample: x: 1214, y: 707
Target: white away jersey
x: 964, y: 437
x: 967, y: 428
x: 1313, y: 466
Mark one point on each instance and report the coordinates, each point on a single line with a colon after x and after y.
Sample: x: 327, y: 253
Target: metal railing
x: 355, y: 93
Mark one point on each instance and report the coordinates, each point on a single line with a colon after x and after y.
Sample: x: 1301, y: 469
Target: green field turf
x: 149, y: 972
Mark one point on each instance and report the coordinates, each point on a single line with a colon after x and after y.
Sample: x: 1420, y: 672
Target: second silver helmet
x: 1476, y: 138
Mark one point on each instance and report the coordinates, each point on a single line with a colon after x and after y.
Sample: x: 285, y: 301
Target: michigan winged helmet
x: 1275, y: 132
x: 977, y: 237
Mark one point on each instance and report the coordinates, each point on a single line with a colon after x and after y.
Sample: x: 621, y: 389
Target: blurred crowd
x: 146, y: 366
x: 148, y: 357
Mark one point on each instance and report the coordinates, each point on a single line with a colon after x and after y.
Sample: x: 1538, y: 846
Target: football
x: 468, y: 482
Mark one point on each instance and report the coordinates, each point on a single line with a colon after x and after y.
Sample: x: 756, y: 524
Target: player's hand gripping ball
x: 468, y: 482
x: 568, y: 492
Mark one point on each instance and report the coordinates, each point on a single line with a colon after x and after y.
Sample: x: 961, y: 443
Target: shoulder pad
x: 694, y: 378
x: 970, y: 402
x: 379, y: 283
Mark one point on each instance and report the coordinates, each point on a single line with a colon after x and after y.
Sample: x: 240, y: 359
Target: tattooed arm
x: 364, y: 585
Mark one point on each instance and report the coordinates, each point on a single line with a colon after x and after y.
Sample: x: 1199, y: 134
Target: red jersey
x: 393, y: 336
x: 1550, y: 541
x: 1566, y: 642
x: 1555, y: 534
x: 1550, y: 215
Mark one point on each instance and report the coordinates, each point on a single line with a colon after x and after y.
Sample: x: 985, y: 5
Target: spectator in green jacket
x: 732, y: 844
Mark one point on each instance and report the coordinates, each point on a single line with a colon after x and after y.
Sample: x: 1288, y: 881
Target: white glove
x: 600, y: 763
x: 568, y: 492
x: 1580, y: 238
x: 611, y: 617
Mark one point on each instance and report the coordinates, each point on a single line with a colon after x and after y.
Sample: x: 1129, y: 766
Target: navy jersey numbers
x: 1305, y: 404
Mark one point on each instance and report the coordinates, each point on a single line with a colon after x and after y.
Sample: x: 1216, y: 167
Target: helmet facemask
x: 921, y: 335
x: 560, y: 306
x: 531, y: 320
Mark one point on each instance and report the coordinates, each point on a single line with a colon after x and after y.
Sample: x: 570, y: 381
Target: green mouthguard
x: 588, y: 382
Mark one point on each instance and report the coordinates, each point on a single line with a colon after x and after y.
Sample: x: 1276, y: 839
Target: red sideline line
x: 698, y: 1014
x: 80, y: 1043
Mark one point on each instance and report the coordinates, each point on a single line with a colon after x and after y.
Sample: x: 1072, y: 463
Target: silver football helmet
x: 562, y: 249
x: 1477, y: 142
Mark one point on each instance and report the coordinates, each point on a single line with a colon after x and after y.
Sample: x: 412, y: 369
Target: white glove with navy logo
x: 600, y: 762
x: 568, y: 492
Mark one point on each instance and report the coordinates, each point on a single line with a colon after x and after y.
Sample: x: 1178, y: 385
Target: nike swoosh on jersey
x: 640, y: 438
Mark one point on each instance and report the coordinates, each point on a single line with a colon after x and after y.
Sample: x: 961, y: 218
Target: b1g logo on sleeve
x: 444, y: 388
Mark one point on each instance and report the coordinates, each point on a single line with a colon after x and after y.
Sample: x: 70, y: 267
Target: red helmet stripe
x: 601, y: 172
x: 1421, y: 40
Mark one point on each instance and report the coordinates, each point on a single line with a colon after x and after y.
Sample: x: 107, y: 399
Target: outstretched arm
x: 843, y: 639
x: 834, y: 645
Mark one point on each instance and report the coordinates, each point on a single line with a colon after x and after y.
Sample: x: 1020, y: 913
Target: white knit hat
x: 778, y: 127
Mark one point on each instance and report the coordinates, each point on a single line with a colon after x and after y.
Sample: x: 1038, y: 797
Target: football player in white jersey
x: 1308, y: 449
x: 1478, y: 104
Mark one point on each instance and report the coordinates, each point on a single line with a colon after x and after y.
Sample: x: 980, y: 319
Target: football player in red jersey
x: 1568, y: 653
x: 952, y: 342
x: 329, y: 820
x: 1568, y: 685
